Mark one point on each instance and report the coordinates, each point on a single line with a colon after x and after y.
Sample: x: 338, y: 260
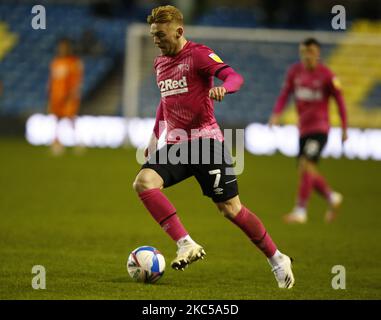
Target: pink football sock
x: 249, y: 223
x: 321, y: 186
x: 305, y: 188
x: 163, y: 212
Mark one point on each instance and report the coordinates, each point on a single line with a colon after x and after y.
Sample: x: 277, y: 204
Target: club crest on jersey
x: 170, y: 87
x: 215, y: 58
x: 183, y: 67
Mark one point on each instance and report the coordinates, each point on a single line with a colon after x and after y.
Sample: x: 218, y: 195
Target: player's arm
x: 232, y: 82
x: 210, y: 64
x: 280, y: 104
x: 152, y: 144
x: 336, y: 91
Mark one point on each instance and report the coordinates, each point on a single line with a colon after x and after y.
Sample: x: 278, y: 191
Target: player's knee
x: 229, y: 208
x: 144, y: 181
x: 140, y: 184
x: 307, y: 165
x: 136, y: 185
x: 311, y: 167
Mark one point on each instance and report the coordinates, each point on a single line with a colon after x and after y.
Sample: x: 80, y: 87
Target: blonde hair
x: 165, y: 14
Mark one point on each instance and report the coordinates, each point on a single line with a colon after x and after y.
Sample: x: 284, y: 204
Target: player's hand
x: 152, y: 146
x: 217, y: 93
x: 274, y: 120
x: 344, y: 136
x: 148, y: 151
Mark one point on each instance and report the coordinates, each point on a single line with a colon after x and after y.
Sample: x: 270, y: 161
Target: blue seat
x: 27, y: 66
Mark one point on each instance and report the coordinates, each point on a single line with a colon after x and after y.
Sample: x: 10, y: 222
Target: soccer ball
x: 146, y: 264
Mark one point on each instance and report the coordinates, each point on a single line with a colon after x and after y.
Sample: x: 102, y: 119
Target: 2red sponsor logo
x: 170, y: 87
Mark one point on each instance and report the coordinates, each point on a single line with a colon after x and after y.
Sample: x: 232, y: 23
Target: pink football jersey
x: 312, y: 90
x: 184, y: 81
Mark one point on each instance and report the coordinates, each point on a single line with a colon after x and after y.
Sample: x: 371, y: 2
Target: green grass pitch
x: 79, y: 217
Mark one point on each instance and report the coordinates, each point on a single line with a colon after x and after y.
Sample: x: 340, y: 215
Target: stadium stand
x: 25, y: 55
x: 25, y: 63
x: 363, y: 78
x: 228, y: 16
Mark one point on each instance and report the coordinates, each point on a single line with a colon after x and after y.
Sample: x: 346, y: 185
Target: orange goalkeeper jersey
x: 65, y: 84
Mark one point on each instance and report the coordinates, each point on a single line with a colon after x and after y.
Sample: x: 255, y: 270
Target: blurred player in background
x: 64, y: 87
x: 185, y: 71
x: 312, y: 84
